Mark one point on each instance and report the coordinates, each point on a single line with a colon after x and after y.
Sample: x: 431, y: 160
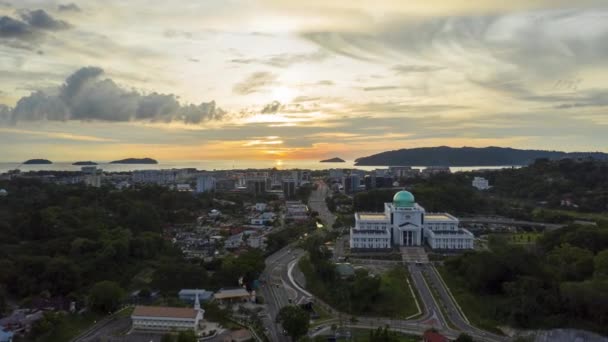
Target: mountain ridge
x: 467, y: 156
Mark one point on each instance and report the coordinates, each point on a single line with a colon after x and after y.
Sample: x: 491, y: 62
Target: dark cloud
x: 254, y: 83
x: 17, y: 29
x: 39, y: 19
x: 271, y: 108
x: 406, y: 69
x: 284, y: 60
x: 71, y: 7
x: 85, y: 95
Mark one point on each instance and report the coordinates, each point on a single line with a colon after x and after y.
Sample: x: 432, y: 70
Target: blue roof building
x: 189, y: 295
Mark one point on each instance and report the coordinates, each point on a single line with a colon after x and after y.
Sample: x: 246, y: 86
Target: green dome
x: 404, y: 199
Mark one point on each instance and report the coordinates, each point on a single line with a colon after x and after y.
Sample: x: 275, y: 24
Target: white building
x: 160, y: 318
x: 296, y: 210
x: 260, y: 206
x: 405, y: 223
x: 481, y: 183
x: 205, y: 183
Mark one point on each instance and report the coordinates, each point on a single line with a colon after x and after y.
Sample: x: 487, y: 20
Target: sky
x: 281, y: 80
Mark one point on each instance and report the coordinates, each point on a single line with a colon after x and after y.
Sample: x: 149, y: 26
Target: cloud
x: 57, y: 135
x: 71, y: 7
x: 255, y: 82
x: 286, y: 59
x: 406, y: 69
x: 85, y: 95
x: 377, y: 88
x: 39, y: 19
x: 17, y: 29
x: 271, y: 108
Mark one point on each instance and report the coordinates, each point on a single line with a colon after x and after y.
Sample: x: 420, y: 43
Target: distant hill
x: 135, y: 161
x: 85, y: 163
x: 467, y: 156
x: 333, y: 160
x: 37, y: 162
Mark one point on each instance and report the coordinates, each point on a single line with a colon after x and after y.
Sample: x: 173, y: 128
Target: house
x: 433, y: 336
x: 234, y: 241
x: 5, y: 335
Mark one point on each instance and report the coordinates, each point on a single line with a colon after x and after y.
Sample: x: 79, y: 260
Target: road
x: 503, y: 220
x: 277, y: 290
x: 317, y: 203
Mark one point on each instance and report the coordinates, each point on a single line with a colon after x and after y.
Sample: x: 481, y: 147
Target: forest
x: 63, y: 241
x: 561, y: 282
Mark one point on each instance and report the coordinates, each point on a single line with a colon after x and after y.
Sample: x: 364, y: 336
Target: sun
x: 283, y: 94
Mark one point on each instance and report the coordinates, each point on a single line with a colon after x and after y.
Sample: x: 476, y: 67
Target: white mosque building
x: 405, y: 223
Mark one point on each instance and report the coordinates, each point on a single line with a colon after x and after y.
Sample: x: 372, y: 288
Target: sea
x: 211, y: 165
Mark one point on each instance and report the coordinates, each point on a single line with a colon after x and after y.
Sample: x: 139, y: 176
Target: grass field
x: 478, y: 309
x: 394, y: 300
x: 523, y: 238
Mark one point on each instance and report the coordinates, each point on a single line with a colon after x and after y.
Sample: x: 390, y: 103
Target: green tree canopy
x: 105, y: 296
x: 294, y: 320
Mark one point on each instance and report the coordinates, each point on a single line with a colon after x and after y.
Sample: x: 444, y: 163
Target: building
x: 232, y: 295
x: 296, y: 210
x: 189, y: 295
x: 260, y: 207
x: 289, y: 188
x: 6, y: 335
x: 480, y: 183
x: 258, y: 186
x: 205, y: 183
x: 405, y: 223
x: 434, y: 170
x: 161, y: 318
x: 351, y: 183
x: 92, y: 176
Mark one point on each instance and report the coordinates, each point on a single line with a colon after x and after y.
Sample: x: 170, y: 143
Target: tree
x: 570, y: 262
x: 464, y: 338
x: 294, y: 320
x: 167, y: 338
x: 186, y: 336
x: 105, y: 296
x: 601, y: 264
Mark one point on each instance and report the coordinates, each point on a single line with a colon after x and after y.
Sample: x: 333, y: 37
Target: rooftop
x: 231, y: 293
x: 164, y: 311
x: 372, y: 216
x: 440, y: 217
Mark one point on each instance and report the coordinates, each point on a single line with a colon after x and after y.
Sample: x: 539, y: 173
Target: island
x: 333, y: 160
x: 135, y: 161
x: 85, y: 163
x: 37, y: 162
x: 469, y: 156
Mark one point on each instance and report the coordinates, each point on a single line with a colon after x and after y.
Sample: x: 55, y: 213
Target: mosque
x: 405, y: 223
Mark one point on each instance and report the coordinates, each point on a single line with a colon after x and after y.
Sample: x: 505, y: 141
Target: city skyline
x: 282, y: 80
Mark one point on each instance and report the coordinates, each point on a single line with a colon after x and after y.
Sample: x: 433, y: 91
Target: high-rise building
x: 205, y: 183
x: 289, y: 188
x: 257, y: 185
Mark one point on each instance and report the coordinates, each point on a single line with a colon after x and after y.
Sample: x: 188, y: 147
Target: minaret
x: 197, y: 303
